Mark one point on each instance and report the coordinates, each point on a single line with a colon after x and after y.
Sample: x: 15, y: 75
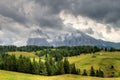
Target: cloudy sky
x: 20, y: 18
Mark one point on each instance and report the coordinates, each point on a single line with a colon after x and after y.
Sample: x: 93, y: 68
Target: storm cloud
x: 24, y: 15
x: 104, y: 11
x: 45, y: 13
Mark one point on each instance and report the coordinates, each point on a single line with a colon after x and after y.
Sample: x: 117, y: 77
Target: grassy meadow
x: 26, y: 54
x: 8, y: 75
x: 31, y: 55
x: 102, y: 60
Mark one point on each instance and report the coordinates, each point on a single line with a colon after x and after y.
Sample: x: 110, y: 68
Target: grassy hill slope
x: 8, y: 75
x: 103, y: 60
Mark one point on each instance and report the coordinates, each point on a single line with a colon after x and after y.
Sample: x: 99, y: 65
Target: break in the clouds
x: 20, y: 18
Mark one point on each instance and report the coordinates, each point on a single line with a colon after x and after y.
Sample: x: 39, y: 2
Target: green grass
x: 8, y: 75
x: 31, y: 55
x: 26, y: 54
x: 103, y: 60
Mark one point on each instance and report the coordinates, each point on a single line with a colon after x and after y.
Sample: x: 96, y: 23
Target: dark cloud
x: 105, y: 11
x: 50, y: 13
x: 51, y: 21
x: 55, y: 6
x: 46, y: 12
x: 89, y: 31
x: 9, y: 10
x: 108, y: 29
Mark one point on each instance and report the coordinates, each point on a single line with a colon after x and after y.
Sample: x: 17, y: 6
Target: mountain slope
x: 38, y: 42
x: 75, y: 38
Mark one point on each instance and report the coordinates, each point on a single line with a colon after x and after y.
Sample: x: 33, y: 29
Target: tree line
x: 22, y: 48
x: 59, y: 52
x: 49, y: 67
x: 93, y: 72
x: 71, y: 49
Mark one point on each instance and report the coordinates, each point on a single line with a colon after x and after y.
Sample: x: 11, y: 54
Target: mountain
x: 75, y: 38
x: 38, y: 42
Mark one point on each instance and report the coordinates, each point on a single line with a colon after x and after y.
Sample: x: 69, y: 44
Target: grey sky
x: 18, y: 18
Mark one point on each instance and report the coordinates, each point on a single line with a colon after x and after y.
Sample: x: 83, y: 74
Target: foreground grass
x: 8, y: 75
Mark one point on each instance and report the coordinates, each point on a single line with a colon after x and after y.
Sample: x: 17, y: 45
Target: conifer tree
x: 101, y: 73
x: 97, y: 73
x: 35, y: 67
x: 60, y: 68
x: 42, y: 68
x: 84, y: 72
x: 66, y: 66
x: 73, y: 69
x: 92, y: 71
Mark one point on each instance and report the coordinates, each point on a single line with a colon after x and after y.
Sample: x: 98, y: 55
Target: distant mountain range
x: 76, y: 38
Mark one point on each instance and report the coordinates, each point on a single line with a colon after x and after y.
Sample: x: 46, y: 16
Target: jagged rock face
x: 71, y: 39
x: 37, y: 41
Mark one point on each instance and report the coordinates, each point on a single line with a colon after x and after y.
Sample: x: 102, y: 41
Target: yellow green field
x: 101, y: 60
x: 31, y: 55
x: 26, y: 54
x: 8, y: 75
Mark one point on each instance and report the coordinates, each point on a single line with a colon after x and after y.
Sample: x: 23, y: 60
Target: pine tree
x: 101, y: 73
x: 73, y: 69
x: 84, y: 72
x: 35, y: 67
x: 92, y: 71
x: 78, y: 71
x: 66, y: 66
x: 20, y: 64
x: 42, y: 68
x: 50, y: 65
x: 27, y: 65
x: 60, y: 68
x: 112, y: 71
x: 97, y: 73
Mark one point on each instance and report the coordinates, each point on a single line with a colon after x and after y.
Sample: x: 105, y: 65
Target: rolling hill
x: 102, y: 60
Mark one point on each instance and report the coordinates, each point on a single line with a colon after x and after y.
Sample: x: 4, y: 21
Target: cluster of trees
x: 111, y: 71
x: 49, y: 67
x: 80, y: 49
x: 111, y: 49
x: 93, y: 72
x: 22, y: 48
x: 59, y: 52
